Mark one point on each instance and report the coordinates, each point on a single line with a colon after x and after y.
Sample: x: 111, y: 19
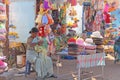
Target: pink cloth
x: 73, y: 2
x: 106, y: 7
x: 97, y: 22
x: 2, y: 8
x: 2, y: 64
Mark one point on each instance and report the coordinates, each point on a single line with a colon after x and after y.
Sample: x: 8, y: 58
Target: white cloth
x: 31, y: 56
x: 43, y: 64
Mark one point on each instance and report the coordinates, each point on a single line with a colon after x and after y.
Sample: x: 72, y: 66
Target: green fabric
x: 45, y: 43
x: 57, y: 43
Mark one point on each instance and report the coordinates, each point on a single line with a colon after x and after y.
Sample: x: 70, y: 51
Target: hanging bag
x: 44, y: 19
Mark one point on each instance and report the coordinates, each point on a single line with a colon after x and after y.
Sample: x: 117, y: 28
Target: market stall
x: 3, y: 33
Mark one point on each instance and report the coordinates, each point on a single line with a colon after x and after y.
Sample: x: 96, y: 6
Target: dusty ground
x: 111, y: 71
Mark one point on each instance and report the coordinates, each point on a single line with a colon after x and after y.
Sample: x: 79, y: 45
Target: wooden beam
x: 6, y: 50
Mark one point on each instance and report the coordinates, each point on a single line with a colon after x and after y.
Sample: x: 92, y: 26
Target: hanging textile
x: 41, y: 31
x: 46, y: 4
x: 107, y: 17
x: 106, y: 7
x: 97, y: 21
x: 73, y: 2
x: 50, y: 19
x: 44, y: 19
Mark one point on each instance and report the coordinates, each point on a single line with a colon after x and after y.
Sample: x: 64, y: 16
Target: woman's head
x: 34, y: 32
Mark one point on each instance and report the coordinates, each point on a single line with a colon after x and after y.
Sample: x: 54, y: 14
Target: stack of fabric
x: 3, y: 31
x: 98, y: 40
x: 3, y: 18
x: 75, y: 46
x: 90, y: 47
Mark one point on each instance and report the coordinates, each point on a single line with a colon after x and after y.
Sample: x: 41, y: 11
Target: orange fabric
x: 111, y: 9
x: 50, y: 19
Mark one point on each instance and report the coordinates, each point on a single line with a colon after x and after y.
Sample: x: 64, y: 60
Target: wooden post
x: 6, y: 49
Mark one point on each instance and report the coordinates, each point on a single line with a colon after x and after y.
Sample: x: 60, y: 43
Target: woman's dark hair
x: 33, y: 30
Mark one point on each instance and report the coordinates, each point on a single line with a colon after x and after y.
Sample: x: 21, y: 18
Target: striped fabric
x: 86, y: 61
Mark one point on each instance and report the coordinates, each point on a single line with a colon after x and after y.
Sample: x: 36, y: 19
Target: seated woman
x: 43, y: 64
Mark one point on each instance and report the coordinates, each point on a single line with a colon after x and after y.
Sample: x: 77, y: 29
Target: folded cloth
x: 3, y: 65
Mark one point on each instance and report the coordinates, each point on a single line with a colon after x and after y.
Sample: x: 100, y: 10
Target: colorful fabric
x: 106, y: 7
x: 44, y: 20
x: 72, y: 40
x: 107, y: 17
x: 87, y: 61
x: 38, y: 19
x: 41, y: 31
x: 3, y: 31
x: 3, y: 65
x: 45, y: 43
x: 97, y: 21
x: 2, y: 8
x: 57, y: 43
x: 50, y: 19
x: 47, y: 29
x: 46, y: 4
x: 73, y: 2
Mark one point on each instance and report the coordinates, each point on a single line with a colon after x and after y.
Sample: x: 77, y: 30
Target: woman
x: 43, y: 63
x: 117, y: 49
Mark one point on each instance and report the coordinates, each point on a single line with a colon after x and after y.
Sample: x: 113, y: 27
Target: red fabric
x: 72, y: 40
x: 73, y: 2
x: 107, y: 18
x: 41, y: 31
x: 74, y: 25
x: 1, y: 63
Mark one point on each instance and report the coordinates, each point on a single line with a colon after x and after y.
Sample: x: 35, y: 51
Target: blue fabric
x: 116, y: 22
x: 89, y: 33
x: 117, y: 46
x: 44, y: 19
x: 27, y: 67
x: 69, y: 57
